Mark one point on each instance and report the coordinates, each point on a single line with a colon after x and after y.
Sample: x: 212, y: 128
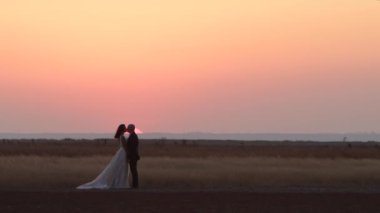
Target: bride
x: 115, y: 175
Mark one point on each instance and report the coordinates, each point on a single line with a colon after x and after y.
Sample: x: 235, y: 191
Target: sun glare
x: 138, y: 131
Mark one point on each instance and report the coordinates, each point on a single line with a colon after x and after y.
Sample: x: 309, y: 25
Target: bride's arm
x: 123, y: 142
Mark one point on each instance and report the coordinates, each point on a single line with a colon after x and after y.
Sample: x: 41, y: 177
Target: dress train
x: 115, y: 175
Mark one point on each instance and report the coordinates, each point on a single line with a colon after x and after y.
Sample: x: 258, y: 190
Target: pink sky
x: 212, y: 66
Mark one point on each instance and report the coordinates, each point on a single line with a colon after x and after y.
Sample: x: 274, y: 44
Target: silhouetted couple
x: 115, y: 175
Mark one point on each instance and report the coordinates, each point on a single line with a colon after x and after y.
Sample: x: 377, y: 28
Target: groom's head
x: 131, y: 128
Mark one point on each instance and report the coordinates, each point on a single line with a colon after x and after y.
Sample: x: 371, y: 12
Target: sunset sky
x: 246, y: 66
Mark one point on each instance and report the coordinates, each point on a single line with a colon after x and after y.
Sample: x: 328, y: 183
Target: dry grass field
x: 194, y: 148
x: 193, y: 165
x: 193, y: 176
x: 230, y: 173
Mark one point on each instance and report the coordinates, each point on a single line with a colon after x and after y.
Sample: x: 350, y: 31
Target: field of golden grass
x: 193, y: 164
x: 193, y: 148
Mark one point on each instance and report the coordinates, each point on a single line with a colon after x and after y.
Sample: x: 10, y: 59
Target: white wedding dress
x: 115, y: 175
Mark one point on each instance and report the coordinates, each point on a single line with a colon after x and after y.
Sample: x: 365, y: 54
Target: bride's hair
x: 120, y: 130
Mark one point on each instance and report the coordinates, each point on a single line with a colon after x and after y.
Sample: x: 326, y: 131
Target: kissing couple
x: 115, y: 174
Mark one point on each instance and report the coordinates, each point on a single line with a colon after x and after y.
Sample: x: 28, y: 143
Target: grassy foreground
x: 189, y: 166
x: 222, y: 173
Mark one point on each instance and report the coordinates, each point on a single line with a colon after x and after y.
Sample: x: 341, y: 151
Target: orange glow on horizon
x: 138, y: 131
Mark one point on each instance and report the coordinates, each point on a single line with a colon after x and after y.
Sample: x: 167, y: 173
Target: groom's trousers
x: 135, y: 176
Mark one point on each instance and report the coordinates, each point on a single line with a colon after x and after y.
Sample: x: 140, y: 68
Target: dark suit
x: 132, y: 148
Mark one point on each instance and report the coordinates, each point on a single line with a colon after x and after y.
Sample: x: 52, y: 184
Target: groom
x: 133, y: 156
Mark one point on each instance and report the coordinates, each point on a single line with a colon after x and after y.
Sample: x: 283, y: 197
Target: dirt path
x: 183, y: 202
